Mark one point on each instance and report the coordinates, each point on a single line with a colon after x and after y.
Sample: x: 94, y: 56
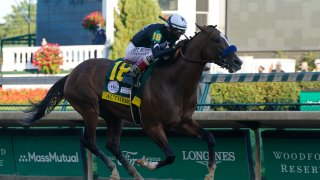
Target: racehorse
x: 168, y: 101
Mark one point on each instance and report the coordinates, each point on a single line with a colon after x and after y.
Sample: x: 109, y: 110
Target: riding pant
x: 134, y: 54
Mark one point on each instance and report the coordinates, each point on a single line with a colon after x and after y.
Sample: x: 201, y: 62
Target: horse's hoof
x: 146, y: 164
x: 115, y: 174
x: 25, y: 122
x: 209, y: 177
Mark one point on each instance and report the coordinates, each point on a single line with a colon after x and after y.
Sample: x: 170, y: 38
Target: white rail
x: 20, y: 58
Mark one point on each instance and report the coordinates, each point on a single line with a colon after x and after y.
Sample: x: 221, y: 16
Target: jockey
x: 153, y: 42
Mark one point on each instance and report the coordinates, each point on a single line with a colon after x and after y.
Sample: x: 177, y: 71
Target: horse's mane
x: 184, y: 42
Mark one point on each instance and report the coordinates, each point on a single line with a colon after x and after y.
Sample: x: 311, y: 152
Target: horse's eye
x: 217, y: 40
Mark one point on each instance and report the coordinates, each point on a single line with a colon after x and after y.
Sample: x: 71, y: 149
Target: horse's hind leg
x: 88, y: 141
x: 193, y: 129
x: 113, y: 145
x: 159, y: 137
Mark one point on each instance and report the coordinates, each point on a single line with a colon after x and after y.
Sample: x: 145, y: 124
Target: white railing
x: 20, y: 58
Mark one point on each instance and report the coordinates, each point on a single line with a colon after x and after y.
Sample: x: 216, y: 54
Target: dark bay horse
x: 168, y: 101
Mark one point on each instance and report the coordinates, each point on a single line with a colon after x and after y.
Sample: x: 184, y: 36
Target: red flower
x: 48, y: 58
x: 91, y: 21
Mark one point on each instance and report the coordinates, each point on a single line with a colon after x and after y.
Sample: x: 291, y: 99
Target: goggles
x: 178, y: 31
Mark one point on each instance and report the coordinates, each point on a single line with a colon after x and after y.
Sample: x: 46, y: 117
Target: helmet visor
x: 177, y: 31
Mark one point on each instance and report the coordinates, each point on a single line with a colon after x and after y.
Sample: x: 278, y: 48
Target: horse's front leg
x: 193, y: 129
x: 158, y: 135
x: 113, y: 145
x: 95, y: 150
x: 88, y: 141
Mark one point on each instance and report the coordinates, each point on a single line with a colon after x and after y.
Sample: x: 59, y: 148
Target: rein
x: 190, y: 60
x: 193, y: 61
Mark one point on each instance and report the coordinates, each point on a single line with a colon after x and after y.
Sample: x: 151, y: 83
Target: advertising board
x: 6, y: 155
x: 56, y: 152
x: 291, y: 155
x: 310, y: 97
x: 41, y: 153
x: 232, y: 152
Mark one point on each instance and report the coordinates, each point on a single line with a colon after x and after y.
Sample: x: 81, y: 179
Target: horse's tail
x: 49, y: 102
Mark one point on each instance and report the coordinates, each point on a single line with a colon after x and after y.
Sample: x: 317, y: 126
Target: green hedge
x: 131, y: 17
x: 261, y: 92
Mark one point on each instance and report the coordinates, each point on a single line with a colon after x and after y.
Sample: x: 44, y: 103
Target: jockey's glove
x: 159, y: 53
x: 180, y: 44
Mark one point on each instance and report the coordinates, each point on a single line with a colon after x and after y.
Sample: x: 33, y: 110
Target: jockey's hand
x: 159, y: 53
x: 171, y: 51
x: 169, y: 55
x: 180, y: 44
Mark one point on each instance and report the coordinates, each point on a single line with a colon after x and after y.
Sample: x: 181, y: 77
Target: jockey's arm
x: 159, y: 52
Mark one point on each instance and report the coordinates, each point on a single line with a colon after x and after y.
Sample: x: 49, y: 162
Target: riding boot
x: 131, y: 76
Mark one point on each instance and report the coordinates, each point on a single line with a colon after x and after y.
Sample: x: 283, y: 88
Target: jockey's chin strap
x: 226, y: 52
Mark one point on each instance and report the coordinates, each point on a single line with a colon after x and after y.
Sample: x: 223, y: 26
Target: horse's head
x: 216, y: 49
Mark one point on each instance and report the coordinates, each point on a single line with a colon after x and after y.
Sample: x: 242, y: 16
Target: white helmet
x: 176, y: 21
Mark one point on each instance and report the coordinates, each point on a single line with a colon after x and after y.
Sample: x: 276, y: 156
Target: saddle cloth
x: 115, y: 90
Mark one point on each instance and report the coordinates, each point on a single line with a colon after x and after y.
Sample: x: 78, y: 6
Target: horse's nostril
x: 239, y: 62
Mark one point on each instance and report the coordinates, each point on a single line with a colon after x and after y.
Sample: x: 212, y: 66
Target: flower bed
x: 19, y: 99
x: 21, y: 96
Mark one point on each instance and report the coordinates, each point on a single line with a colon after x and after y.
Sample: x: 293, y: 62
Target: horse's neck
x: 191, y: 71
x: 177, y: 79
x: 186, y: 75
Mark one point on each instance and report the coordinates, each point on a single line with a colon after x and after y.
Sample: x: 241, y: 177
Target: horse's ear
x: 201, y: 28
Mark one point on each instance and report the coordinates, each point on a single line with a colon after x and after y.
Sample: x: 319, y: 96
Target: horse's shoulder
x: 102, y: 60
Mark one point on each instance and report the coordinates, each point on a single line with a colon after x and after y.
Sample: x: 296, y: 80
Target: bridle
x: 190, y: 60
x: 222, y: 58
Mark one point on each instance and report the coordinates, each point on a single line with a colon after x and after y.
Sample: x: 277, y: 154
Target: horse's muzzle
x: 235, y: 65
